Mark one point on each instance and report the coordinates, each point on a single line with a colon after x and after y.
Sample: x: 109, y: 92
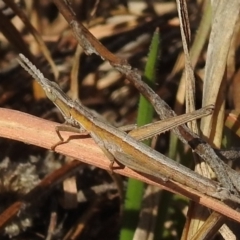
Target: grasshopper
x: 126, y: 147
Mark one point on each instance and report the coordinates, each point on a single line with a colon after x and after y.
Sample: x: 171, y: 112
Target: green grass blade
x: 135, y: 188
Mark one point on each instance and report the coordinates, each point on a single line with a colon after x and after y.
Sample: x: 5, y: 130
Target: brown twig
x: 44, y: 187
x: 32, y: 130
x: 91, y: 45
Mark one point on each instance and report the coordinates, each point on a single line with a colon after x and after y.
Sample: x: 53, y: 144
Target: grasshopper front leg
x: 116, y: 178
x: 67, y: 128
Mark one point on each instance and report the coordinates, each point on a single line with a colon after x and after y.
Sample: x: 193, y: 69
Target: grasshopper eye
x: 50, y: 94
